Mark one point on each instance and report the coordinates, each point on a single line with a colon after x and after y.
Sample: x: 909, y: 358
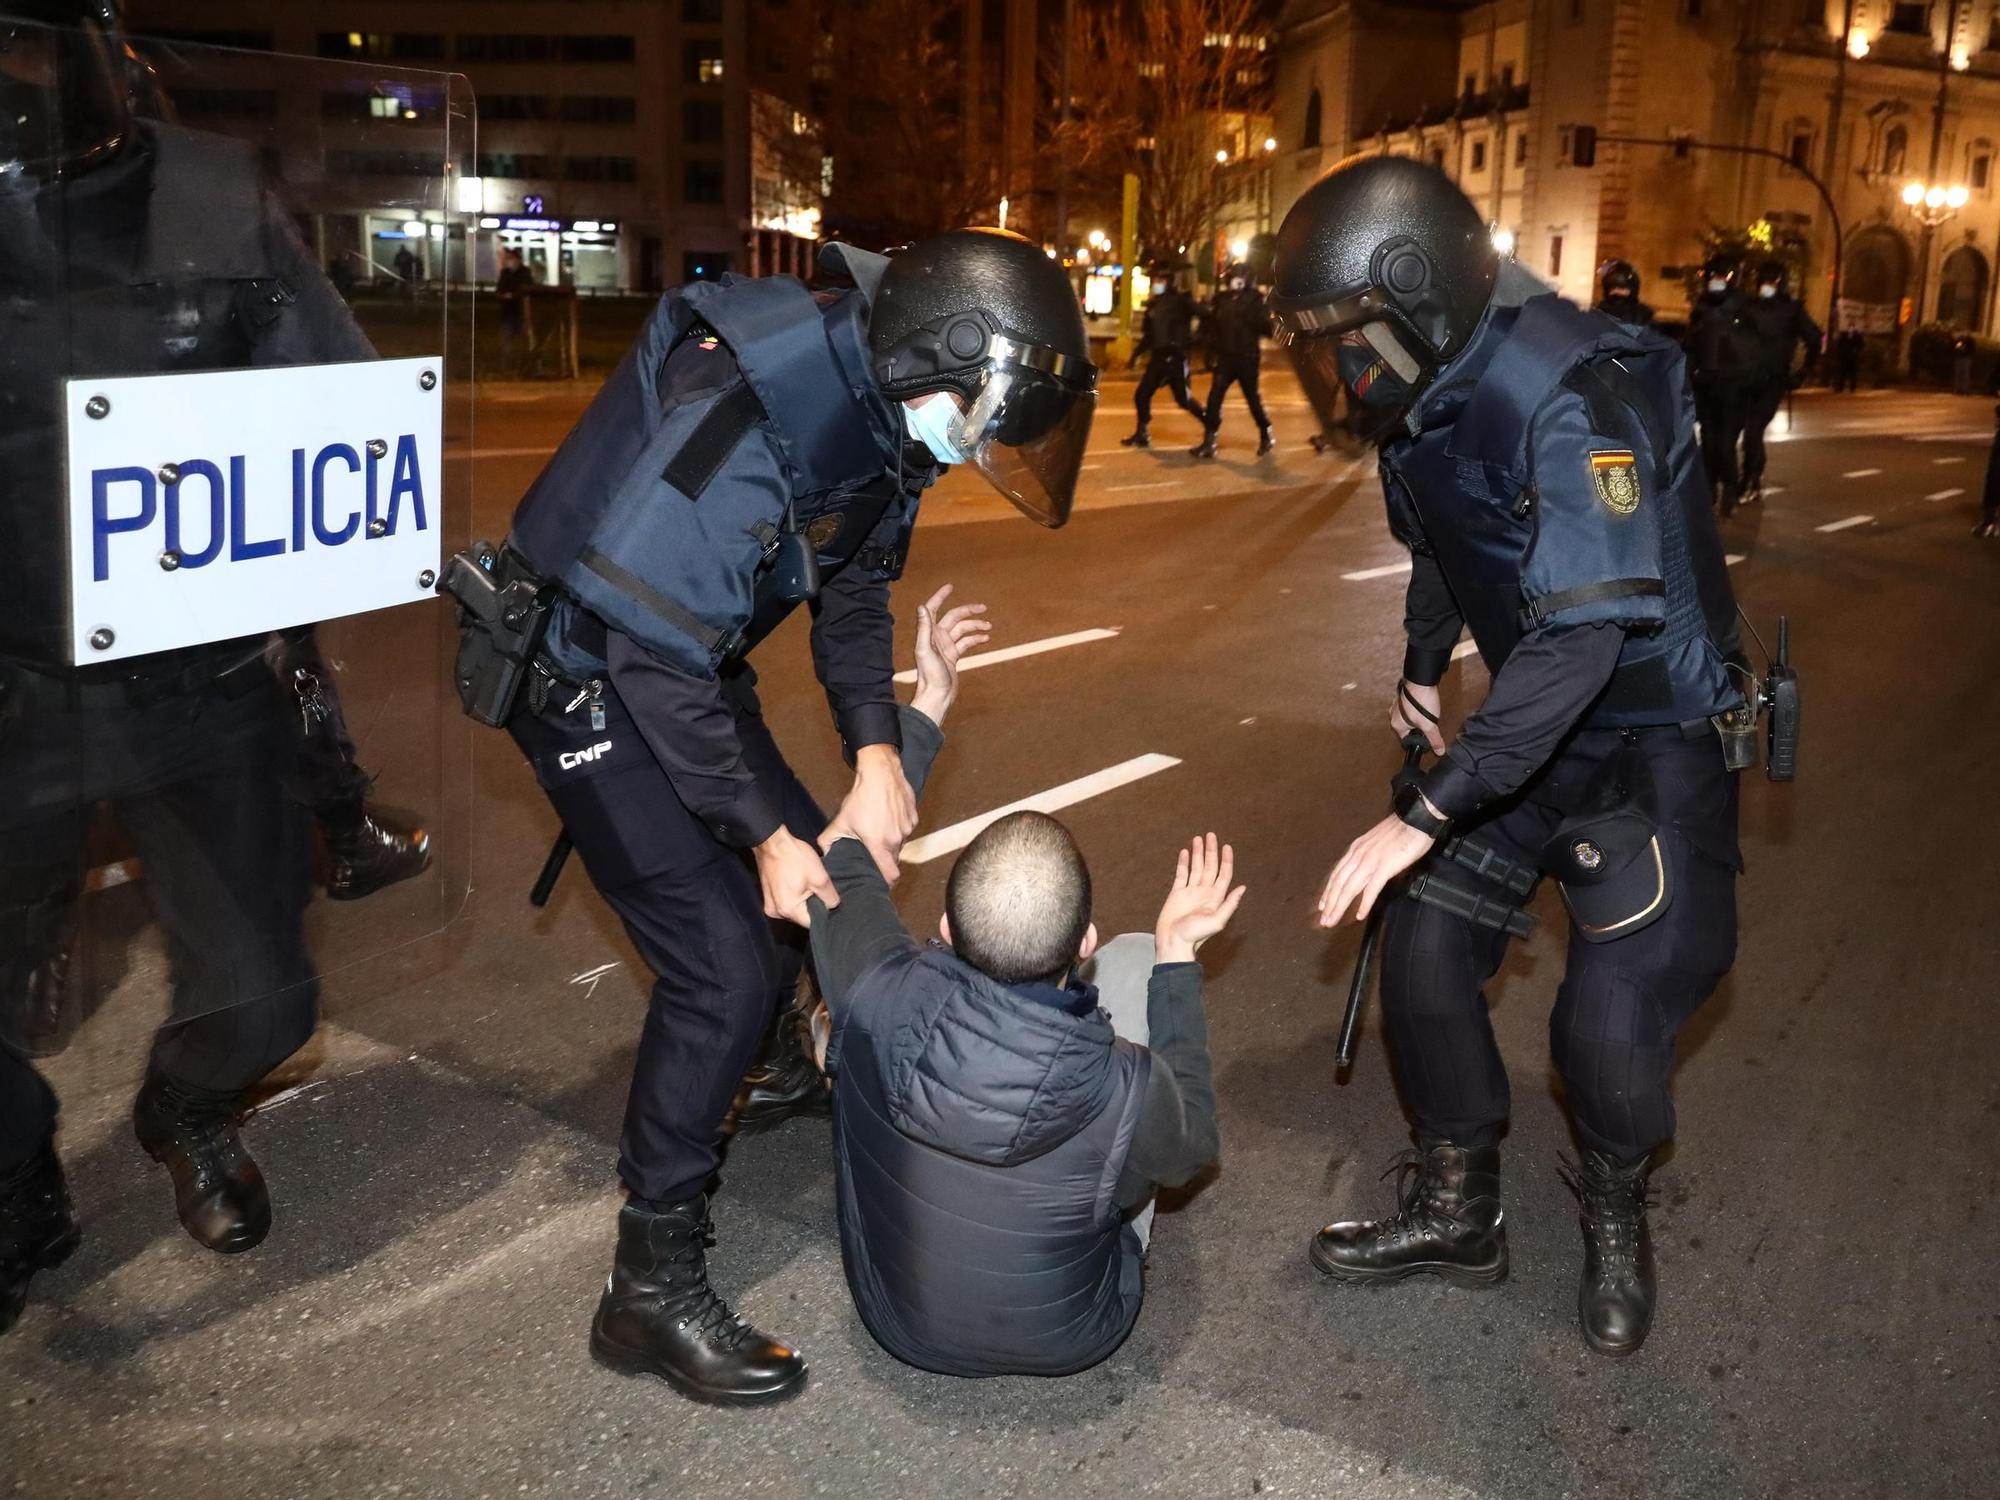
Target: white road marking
x: 1860, y: 473
x: 1383, y: 572
x: 1251, y: 720
x: 1944, y: 494
x: 1843, y: 525
x: 1151, y: 484
x: 1772, y: 489
x: 1026, y: 648
x: 592, y: 977
x: 958, y: 835
x: 1733, y: 558
x: 285, y: 1096
x: 1957, y: 458
x: 1463, y: 649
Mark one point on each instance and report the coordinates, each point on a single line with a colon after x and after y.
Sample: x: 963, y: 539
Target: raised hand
x: 943, y: 638
x: 1201, y: 902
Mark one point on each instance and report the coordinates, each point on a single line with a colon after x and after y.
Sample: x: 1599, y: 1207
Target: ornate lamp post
x: 1931, y: 204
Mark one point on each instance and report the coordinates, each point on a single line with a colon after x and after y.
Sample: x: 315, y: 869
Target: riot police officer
x: 134, y: 246
x: 1723, y: 361
x: 1167, y: 334
x: 760, y: 448
x: 1536, y: 461
x: 1780, y: 324
x: 1235, y: 326
x: 1618, y: 294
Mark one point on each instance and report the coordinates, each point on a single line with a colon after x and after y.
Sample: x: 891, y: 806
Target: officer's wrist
x: 877, y: 759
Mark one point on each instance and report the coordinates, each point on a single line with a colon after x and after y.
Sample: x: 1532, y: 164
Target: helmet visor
x: 1367, y: 365
x: 62, y: 101
x: 1026, y: 431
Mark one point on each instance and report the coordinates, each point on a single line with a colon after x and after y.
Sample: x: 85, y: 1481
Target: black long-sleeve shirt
x: 1176, y: 1135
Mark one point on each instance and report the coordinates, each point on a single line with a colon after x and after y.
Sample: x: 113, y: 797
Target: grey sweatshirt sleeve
x: 1176, y: 1137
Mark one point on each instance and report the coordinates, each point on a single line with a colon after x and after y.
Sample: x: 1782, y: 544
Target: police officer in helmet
x: 1724, y: 357
x: 1535, y: 460
x: 132, y: 246
x: 760, y: 448
x: 1781, y: 325
x: 1618, y: 294
x: 1234, y: 326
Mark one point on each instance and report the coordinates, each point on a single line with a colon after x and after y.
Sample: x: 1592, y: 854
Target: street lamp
x: 1933, y: 203
x: 1503, y: 241
x: 1221, y: 157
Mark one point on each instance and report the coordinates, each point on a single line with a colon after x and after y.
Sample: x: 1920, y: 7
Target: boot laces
x: 705, y: 1309
x: 1417, y: 1208
x: 1614, y: 1210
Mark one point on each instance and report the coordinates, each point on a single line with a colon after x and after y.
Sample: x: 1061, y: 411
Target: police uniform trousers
x: 1721, y: 410
x: 1233, y: 369
x: 1620, y: 1004
x: 1168, y: 367
x: 195, y: 777
x: 693, y: 909
x: 1760, y: 410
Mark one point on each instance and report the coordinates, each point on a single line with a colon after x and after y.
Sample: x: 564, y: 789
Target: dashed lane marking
x: 1733, y: 558
x: 1388, y: 571
x: 1858, y: 474
x: 1055, y: 799
x: 1026, y: 648
x: 1956, y: 458
x: 1843, y: 525
x: 1151, y: 484
x: 1944, y: 494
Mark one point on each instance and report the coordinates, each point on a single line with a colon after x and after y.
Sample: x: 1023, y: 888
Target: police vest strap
x: 715, y: 642
x: 1536, y: 611
x: 1548, y: 337
x: 714, y: 438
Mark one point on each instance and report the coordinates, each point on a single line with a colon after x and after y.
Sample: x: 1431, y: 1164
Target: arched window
x: 1895, y: 147
x: 1979, y: 166
x: 1309, y: 137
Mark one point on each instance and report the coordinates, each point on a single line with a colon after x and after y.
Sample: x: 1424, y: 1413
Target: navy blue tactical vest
x: 1556, y: 479
x: 978, y: 1140
x: 659, y: 523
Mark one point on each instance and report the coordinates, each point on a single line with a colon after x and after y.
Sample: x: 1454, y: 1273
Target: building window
x: 241, y: 104
x: 701, y: 122
x: 1913, y: 20
x: 1993, y: 34
x: 599, y: 49
x: 1981, y: 174
x: 704, y: 62
x: 702, y: 182
x: 402, y: 46
x: 1309, y: 137
x: 1895, y: 147
x: 1506, y: 77
x: 1691, y: 9
x: 249, y: 41
x: 506, y: 48
x: 1555, y: 255
x: 600, y: 109
x: 1478, y: 156
x: 1575, y: 11
x: 516, y: 107
x: 702, y: 12
x: 600, y: 169
x: 1471, y: 84
x: 1521, y: 150
x: 514, y: 164
x: 1437, y: 157
x: 1799, y: 152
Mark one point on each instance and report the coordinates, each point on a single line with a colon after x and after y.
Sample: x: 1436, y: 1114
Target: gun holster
x: 503, y: 613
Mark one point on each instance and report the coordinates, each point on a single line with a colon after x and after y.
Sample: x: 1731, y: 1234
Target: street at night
x: 1222, y: 642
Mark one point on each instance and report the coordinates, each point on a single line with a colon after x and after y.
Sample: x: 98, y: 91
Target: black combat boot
x: 218, y: 1191
x: 1753, y: 491
x: 1140, y: 438
x: 785, y: 1082
x: 38, y: 1229
x: 1265, y: 442
x: 1448, y: 1225
x: 1615, y: 1298
x: 364, y: 857
x: 1206, y: 447
x: 659, y: 1316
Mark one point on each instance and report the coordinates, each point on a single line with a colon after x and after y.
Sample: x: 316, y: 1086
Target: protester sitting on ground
x: 1000, y: 1124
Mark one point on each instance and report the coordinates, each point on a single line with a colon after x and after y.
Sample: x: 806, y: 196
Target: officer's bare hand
x: 1402, y: 718
x: 789, y: 869
x: 1371, y: 862
x: 880, y: 809
x: 943, y: 637
x: 1201, y: 902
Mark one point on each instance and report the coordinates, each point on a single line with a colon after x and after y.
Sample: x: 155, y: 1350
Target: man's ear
x: 944, y: 927
x: 1089, y: 943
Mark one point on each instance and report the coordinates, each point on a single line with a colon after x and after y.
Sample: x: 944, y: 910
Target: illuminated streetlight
x: 1221, y: 157
x: 1270, y: 143
x: 1932, y: 202
x: 1503, y: 241
x: 1239, y: 249
x: 1857, y: 45
x: 1961, y: 59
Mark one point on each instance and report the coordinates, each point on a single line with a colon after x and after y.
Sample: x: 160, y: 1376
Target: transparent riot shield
x: 235, y: 370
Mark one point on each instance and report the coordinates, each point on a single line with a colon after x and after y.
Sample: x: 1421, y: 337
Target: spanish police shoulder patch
x: 1615, y: 475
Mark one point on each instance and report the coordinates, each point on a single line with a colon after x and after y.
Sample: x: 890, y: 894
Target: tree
x: 1156, y: 87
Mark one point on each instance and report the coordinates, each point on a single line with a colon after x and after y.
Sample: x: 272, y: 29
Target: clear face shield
x: 1369, y: 363
x: 62, y: 97
x: 1028, y: 427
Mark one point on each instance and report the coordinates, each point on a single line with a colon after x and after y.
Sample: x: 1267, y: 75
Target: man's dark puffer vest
x: 979, y: 1138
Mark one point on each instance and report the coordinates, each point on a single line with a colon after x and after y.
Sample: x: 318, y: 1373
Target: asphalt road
x: 416, y: 1323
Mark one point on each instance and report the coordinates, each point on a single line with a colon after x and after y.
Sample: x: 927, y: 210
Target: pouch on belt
x: 1608, y: 856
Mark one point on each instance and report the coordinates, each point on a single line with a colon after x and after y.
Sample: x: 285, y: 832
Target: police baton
x: 1414, y: 746
x: 552, y: 868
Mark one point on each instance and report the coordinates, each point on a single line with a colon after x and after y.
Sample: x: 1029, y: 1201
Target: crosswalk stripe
x: 1860, y: 473
x: 957, y: 835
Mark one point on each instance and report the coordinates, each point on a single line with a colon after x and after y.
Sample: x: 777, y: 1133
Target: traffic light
x: 1583, y: 146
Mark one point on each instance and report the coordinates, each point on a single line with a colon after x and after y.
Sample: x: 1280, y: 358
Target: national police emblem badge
x: 1615, y: 474
x: 821, y: 530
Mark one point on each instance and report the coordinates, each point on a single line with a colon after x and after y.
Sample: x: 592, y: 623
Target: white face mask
x: 930, y: 422
x: 1767, y: 290
x: 1718, y: 284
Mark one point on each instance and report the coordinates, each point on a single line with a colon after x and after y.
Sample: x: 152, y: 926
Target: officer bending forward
x: 1540, y: 463
x: 759, y: 448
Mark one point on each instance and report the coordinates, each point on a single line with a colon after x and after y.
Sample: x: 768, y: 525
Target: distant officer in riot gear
x: 1618, y: 294
x: 759, y: 448
x: 1724, y: 357
x: 132, y: 246
x: 1537, y: 461
x: 1234, y: 327
x: 1780, y: 324
x: 1165, y: 337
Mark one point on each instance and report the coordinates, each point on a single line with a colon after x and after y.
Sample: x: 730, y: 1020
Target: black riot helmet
x: 1238, y: 278
x: 986, y: 316
x: 64, y: 93
x: 1383, y: 270
x: 1721, y: 266
x: 1616, y: 278
x: 1775, y: 273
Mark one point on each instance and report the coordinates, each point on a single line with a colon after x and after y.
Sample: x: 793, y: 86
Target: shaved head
x: 1019, y: 900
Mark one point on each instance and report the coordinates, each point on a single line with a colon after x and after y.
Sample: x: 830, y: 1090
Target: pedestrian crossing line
x: 1956, y: 458
x: 1945, y: 495
x: 1733, y: 558
x: 1151, y: 484
x: 1387, y: 571
x: 1843, y: 525
x: 1026, y: 648
x: 1860, y: 473
x: 956, y: 836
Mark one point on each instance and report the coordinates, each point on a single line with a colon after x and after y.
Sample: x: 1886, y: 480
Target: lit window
x: 710, y: 70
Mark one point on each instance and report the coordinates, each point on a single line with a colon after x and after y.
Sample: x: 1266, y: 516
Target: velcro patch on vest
x: 1614, y: 474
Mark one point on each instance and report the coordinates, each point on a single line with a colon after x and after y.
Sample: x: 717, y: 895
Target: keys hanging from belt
x: 592, y: 692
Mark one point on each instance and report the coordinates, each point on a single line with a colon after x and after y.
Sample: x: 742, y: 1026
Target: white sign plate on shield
x: 207, y: 506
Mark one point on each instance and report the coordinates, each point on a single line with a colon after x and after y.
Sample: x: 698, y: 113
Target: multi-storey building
x: 623, y: 143
x: 1864, y: 97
